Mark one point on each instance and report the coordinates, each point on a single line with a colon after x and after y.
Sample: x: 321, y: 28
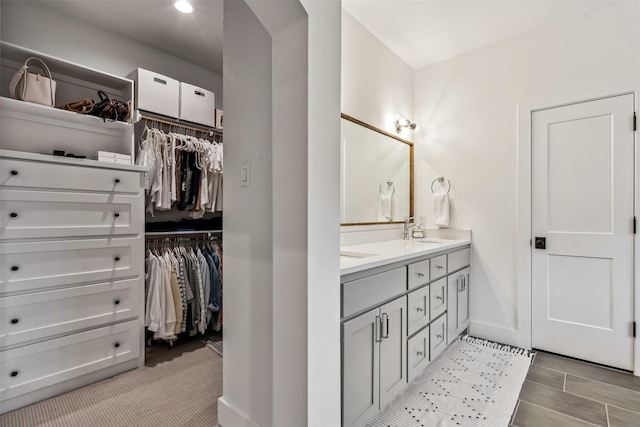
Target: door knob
x: 540, y: 242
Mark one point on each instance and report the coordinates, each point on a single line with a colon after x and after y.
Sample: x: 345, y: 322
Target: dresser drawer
x: 418, y: 309
x: 457, y: 260
x: 438, y: 267
x: 36, y: 214
x: 438, y: 297
x: 33, y: 266
x: 438, y: 336
x: 44, y: 314
x: 418, y: 274
x: 32, y: 367
x: 30, y: 174
x: 417, y: 354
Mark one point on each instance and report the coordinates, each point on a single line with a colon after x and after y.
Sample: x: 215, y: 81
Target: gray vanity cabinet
x: 458, y: 294
x: 374, y: 361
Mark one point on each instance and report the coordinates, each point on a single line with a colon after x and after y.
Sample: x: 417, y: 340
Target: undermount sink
x: 350, y: 254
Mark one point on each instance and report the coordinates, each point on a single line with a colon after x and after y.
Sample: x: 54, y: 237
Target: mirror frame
x: 397, y: 138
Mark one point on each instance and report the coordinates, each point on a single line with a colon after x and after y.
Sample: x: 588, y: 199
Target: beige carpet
x: 178, y: 387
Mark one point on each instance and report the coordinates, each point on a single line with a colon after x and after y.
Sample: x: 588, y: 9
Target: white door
x: 582, y: 282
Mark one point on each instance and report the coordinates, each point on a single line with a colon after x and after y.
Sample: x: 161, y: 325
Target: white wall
x: 376, y: 84
x: 50, y: 32
x: 468, y: 111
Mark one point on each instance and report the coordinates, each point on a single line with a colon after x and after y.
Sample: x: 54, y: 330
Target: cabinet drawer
x: 438, y: 267
x: 32, y: 367
x: 43, y: 314
x: 418, y: 274
x: 457, y: 260
x: 29, y: 174
x: 37, y: 265
x: 417, y: 354
x: 372, y: 290
x: 438, y: 336
x: 35, y: 214
x: 438, y: 297
x: 418, y: 309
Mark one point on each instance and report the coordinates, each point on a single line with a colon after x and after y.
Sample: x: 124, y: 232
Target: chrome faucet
x: 405, y: 232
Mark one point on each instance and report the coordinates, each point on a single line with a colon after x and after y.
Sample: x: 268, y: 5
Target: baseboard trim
x: 499, y: 334
x: 228, y: 416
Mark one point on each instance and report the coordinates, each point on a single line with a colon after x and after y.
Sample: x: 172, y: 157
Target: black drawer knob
x: 116, y: 214
x: 14, y: 321
x: 13, y: 214
x: 117, y: 258
x: 116, y: 345
x: 116, y: 302
x: 15, y: 268
x: 14, y: 373
x: 14, y: 172
x: 117, y: 180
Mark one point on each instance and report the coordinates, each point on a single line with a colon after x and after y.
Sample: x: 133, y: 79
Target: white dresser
x: 71, y: 274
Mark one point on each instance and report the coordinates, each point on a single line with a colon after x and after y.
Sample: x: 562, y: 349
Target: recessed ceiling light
x: 183, y: 6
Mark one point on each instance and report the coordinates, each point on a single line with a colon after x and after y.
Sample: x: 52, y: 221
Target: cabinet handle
x: 419, y: 309
x: 439, y: 267
x: 117, y: 180
x: 385, y: 316
x: 14, y: 373
x: 116, y: 214
x: 419, y: 353
x: 14, y: 172
x: 13, y: 214
x: 378, y: 327
x: 438, y: 297
x: 116, y: 302
x: 116, y: 344
x: 15, y: 268
x: 15, y: 321
x: 420, y: 274
x: 439, y: 337
x: 116, y: 258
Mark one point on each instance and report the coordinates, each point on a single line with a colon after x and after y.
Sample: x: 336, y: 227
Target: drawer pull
x: 420, y: 274
x: 438, y: 297
x: 419, y: 353
x: 117, y: 180
x: 13, y: 214
x: 14, y: 172
x: 117, y: 258
x: 439, y: 267
x: 439, y: 337
x: 419, y: 309
x: 116, y: 302
x: 15, y: 268
x: 116, y: 214
x: 14, y: 321
x: 116, y: 344
x: 14, y: 373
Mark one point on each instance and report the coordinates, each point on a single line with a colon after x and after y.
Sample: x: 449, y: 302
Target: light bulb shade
x: 183, y: 6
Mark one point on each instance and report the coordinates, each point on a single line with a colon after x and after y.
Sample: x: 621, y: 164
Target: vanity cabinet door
x: 457, y: 303
x: 463, y: 299
x: 360, y: 368
x: 393, y: 350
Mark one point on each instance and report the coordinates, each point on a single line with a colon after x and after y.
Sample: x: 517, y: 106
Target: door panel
x: 582, y: 283
x: 393, y: 350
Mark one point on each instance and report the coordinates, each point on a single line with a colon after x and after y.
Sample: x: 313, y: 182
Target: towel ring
x: 389, y: 185
x: 440, y: 179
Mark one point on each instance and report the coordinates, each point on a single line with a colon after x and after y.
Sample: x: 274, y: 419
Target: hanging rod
x: 206, y: 129
x: 180, y: 233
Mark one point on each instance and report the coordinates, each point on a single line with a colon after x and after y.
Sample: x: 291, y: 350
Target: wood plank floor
x: 563, y: 392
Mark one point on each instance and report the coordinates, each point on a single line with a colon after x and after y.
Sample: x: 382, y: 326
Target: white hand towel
x: 441, y: 209
x: 385, y: 207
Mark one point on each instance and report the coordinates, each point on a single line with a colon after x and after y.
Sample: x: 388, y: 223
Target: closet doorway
x: 583, y: 230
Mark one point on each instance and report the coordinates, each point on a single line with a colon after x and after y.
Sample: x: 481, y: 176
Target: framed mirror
x: 376, y: 175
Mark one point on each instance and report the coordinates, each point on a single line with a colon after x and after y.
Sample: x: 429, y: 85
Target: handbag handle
x: 23, y: 70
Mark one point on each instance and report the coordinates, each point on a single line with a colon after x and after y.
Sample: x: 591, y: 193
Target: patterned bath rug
x: 473, y: 383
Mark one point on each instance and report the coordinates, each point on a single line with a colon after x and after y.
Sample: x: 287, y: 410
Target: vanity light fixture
x: 183, y: 6
x: 402, y: 122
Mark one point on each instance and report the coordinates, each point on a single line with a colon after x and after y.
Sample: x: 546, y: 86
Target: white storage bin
x: 156, y: 93
x: 197, y: 105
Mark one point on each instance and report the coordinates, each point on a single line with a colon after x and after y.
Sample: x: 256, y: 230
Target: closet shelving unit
x: 24, y: 123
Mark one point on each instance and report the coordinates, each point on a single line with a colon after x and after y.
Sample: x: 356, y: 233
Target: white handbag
x: 32, y: 87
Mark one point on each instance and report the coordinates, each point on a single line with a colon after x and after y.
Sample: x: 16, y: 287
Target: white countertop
x: 355, y: 258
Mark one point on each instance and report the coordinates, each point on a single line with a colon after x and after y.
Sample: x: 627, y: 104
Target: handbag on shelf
x: 30, y: 87
x: 110, y: 109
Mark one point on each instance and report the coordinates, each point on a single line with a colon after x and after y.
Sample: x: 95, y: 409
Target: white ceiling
x: 421, y: 32
x: 195, y: 37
